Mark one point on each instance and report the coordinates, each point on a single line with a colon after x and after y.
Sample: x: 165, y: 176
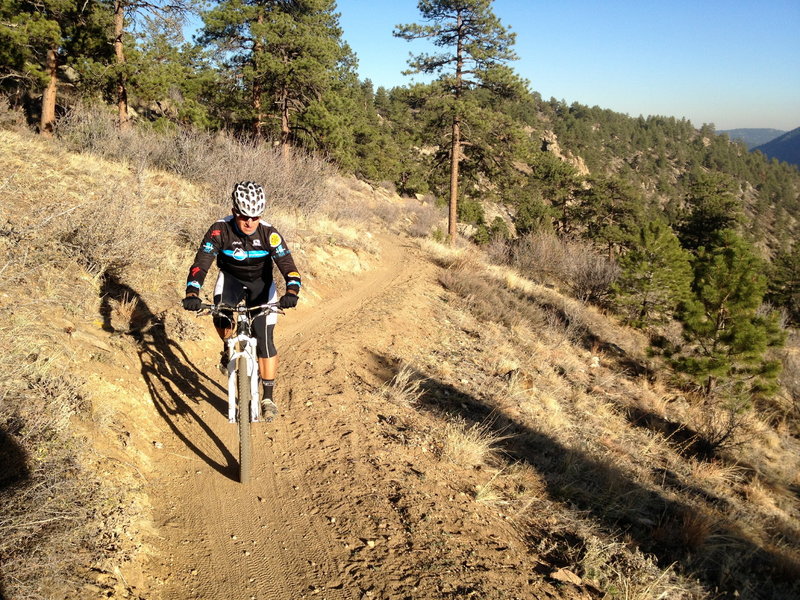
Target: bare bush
x: 590, y: 275
x: 424, y: 218
x: 573, y: 264
x: 11, y: 118
x: 500, y: 251
x: 294, y: 181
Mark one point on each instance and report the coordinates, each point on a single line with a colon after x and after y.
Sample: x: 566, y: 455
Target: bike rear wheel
x: 243, y: 399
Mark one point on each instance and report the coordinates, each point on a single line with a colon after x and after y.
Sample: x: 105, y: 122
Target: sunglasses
x: 246, y: 218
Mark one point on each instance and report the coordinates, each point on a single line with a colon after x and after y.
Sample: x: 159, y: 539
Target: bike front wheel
x: 243, y: 398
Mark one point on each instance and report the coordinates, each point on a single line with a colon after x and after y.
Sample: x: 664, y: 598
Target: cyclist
x: 245, y: 247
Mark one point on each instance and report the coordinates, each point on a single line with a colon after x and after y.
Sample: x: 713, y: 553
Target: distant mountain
x: 753, y: 137
x: 785, y: 147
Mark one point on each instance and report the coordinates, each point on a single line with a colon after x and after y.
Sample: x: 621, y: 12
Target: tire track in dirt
x: 276, y: 538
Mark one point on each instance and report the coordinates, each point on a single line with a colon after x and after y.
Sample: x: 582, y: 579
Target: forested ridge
x: 634, y: 190
x: 280, y: 73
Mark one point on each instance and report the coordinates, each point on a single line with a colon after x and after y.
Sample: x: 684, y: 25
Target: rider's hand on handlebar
x: 288, y: 300
x: 192, y: 303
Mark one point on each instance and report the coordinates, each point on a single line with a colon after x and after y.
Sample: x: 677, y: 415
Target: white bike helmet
x: 249, y: 199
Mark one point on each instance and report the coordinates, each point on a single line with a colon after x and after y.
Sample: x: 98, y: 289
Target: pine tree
x: 39, y: 37
x: 171, y: 75
x: 285, y: 60
x: 784, y: 282
x: 729, y: 337
x: 477, y: 48
x: 656, y: 276
x: 610, y: 210
x: 712, y: 205
x: 123, y: 12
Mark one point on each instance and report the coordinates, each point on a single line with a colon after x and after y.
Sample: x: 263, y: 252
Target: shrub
x: 293, y: 181
x: 574, y: 265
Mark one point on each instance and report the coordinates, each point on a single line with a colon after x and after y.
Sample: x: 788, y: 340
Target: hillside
x: 448, y: 428
x: 785, y: 148
x: 752, y: 137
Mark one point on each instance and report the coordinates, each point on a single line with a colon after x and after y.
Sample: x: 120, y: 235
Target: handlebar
x: 210, y: 309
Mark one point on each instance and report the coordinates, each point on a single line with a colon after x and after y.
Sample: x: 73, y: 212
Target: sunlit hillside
x: 451, y: 424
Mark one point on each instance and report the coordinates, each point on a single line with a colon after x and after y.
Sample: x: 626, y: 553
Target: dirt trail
x: 348, y: 498
x: 271, y: 539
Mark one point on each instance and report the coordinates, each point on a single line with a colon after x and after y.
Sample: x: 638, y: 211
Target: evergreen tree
x: 285, y: 60
x: 130, y: 9
x: 728, y: 335
x: 478, y: 45
x: 170, y: 76
x: 784, y: 284
x: 712, y: 205
x: 656, y: 276
x: 39, y: 37
x: 610, y: 210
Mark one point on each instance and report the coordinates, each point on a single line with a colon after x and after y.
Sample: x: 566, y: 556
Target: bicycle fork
x: 249, y: 353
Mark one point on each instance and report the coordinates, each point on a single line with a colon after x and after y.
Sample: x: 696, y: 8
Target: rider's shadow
x: 176, y: 385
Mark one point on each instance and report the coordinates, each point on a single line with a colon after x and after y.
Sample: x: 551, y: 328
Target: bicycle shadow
x: 13, y: 462
x: 671, y: 529
x: 170, y: 376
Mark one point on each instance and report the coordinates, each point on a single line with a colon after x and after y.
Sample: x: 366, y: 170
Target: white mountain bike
x: 244, y: 406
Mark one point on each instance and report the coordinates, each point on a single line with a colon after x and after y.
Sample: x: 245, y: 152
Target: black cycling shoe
x: 223, y: 361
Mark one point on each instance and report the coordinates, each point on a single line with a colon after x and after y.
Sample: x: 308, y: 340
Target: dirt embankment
x: 348, y: 500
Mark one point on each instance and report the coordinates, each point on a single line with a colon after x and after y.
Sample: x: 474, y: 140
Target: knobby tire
x: 243, y: 398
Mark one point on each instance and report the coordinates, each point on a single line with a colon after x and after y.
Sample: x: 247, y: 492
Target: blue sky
x: 733, y: 63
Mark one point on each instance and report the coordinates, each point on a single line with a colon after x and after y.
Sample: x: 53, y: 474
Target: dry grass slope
x: 546, y: 417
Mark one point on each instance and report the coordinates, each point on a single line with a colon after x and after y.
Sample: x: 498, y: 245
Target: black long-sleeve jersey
x: 246, y: 257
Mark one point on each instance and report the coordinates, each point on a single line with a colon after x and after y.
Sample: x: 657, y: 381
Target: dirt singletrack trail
x: 349, y: 498
x: 277, y: 537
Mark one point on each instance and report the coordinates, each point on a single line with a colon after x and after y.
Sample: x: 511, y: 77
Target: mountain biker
x: 245, y: 246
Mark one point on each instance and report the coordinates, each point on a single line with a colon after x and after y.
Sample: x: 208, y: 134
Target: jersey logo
x: 294, y: 274
x: 239, y: 254
x: 216, y: 232
x: 195, y: 271
x: 257, y: 243
x: 274, y: 240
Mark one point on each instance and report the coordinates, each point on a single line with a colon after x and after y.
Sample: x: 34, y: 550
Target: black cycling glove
x: 192, y: 303
x: 288, y: 301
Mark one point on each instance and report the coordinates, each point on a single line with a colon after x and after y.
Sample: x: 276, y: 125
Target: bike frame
x: 242, y: 345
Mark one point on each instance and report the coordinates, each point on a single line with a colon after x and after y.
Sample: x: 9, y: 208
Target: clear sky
x: 734, y: 63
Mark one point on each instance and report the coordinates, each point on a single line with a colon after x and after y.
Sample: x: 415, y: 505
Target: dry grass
x: 471, y: 446
x: 405, y: 388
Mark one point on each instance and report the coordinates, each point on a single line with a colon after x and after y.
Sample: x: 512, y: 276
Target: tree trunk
x: 258, y: 91
x: 285, y: 129
x: 122, y: 91
x: 48, y: 120
x: 455, y: 152
x: 455, y: 156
